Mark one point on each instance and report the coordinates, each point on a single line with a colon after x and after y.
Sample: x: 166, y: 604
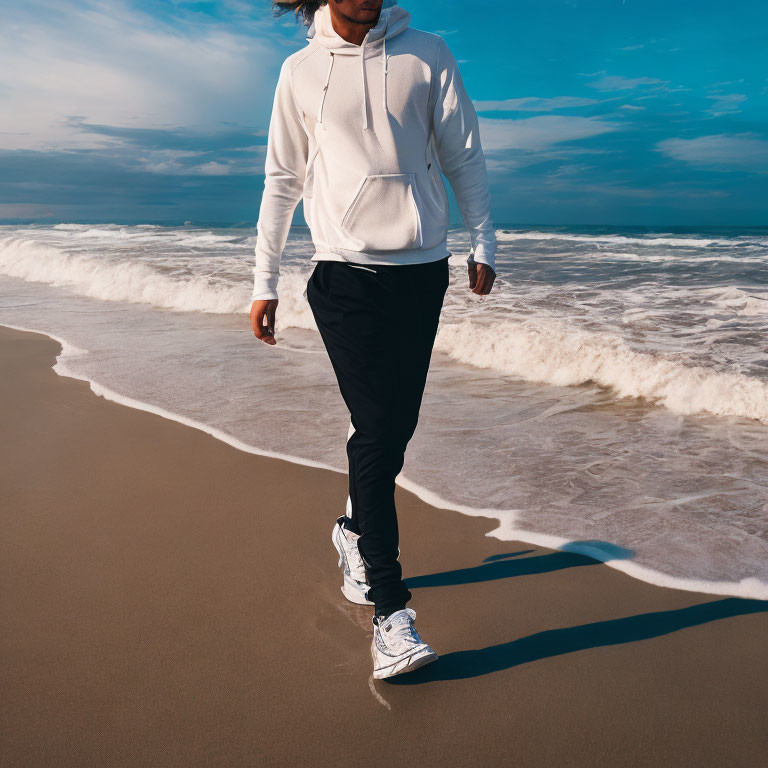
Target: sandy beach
x: 168, y: 600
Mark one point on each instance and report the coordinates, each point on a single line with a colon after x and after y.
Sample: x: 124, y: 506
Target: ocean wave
x: 738, y: 301
x: 66, y: 227
x: 662, y: 257
x: 547, y: 351
x: 100, y: 278
x: 539, y: 349
x: 682, y: 242
x: 143, y: 234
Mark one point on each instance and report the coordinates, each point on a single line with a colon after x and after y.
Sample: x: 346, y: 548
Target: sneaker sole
x: 417, y: 660
x: 353, y: 595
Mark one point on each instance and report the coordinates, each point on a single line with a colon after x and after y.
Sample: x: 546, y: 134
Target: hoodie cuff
x: 482, y: 256
x: 264, y: 285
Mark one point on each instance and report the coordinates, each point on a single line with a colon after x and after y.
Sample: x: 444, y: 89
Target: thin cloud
x: 534, y: 104
x: 174, y: 138
x: 726, y: 103
x: 619, y: 83
x: 737, y: 151
x: 533, y: 134
x: 77, y: 184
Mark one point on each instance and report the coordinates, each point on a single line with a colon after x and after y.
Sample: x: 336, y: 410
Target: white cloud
x: 725, y: 103
x: 181, y: 162
x: 112, y: 64
x: 569, y: 171
x: 534, y: 104
x: 619, y: 83
x: 736, y: 151
x: 728, y: 82
x: 212, y: 169
x: 538, y: 133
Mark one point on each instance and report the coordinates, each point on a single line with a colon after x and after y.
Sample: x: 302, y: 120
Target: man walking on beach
x: 365, y: 117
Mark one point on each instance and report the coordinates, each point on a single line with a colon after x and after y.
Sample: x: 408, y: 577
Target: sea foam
x: 100, y: 278
x: 651, y: 240
x: 539, y: 349
x: 544, y: 350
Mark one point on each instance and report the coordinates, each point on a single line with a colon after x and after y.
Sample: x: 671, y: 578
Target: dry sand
x: 168, y: 600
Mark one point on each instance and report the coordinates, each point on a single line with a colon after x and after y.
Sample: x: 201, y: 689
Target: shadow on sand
x: 557, y: 642
x: 502, y: 567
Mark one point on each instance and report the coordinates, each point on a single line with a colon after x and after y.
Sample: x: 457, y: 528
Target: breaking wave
x: 113, y: 281
x: 538, y: 349
x: 504, y: 235
x: 546, y: 351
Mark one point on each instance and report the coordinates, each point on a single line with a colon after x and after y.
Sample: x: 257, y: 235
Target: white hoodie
x: 357, y: 132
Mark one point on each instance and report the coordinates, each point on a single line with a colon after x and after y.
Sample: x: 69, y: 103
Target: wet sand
x: 168, y: 600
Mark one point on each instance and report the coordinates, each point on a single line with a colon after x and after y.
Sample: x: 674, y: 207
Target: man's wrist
x: 264, y: 285
x: 472, y: 260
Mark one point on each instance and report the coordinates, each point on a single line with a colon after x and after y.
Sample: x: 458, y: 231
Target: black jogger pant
x: 378, y: 324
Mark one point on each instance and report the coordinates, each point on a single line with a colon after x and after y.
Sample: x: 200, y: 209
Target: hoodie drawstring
x: 325, y: 88
x: 365, y: 88
x: 386, y: 111
x: 385, y: 69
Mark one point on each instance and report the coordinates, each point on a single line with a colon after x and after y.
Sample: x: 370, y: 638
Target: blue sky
x: 634, y: 112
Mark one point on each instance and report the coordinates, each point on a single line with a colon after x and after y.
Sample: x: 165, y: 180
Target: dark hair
x: 305, y: 8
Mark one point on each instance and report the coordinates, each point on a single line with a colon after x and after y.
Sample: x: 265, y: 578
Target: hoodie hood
x: 392, y: 21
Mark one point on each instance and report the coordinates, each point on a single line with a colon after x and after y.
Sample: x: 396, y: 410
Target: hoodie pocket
x: 383, y: 214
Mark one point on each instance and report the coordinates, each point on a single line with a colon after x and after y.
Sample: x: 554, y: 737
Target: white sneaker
x: 355, y: 584
x: 396, y: 646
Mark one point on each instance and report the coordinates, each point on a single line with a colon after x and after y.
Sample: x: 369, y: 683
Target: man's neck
x: 350, y: 30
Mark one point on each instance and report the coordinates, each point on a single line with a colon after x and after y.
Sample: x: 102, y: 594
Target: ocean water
x: 610, y: 396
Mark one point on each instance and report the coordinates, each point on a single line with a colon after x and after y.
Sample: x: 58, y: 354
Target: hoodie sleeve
x: 284, y: 168
x: 457, y: 140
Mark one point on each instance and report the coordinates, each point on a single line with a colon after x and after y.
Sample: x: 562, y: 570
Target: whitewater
x: 610, y: 396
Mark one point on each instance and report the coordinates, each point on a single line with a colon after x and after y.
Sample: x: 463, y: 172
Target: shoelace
x: 402, y: 634
x: 355, y: 558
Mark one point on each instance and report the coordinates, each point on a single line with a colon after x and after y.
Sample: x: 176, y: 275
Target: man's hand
x: 481, y: 278
x: 263, y: 320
